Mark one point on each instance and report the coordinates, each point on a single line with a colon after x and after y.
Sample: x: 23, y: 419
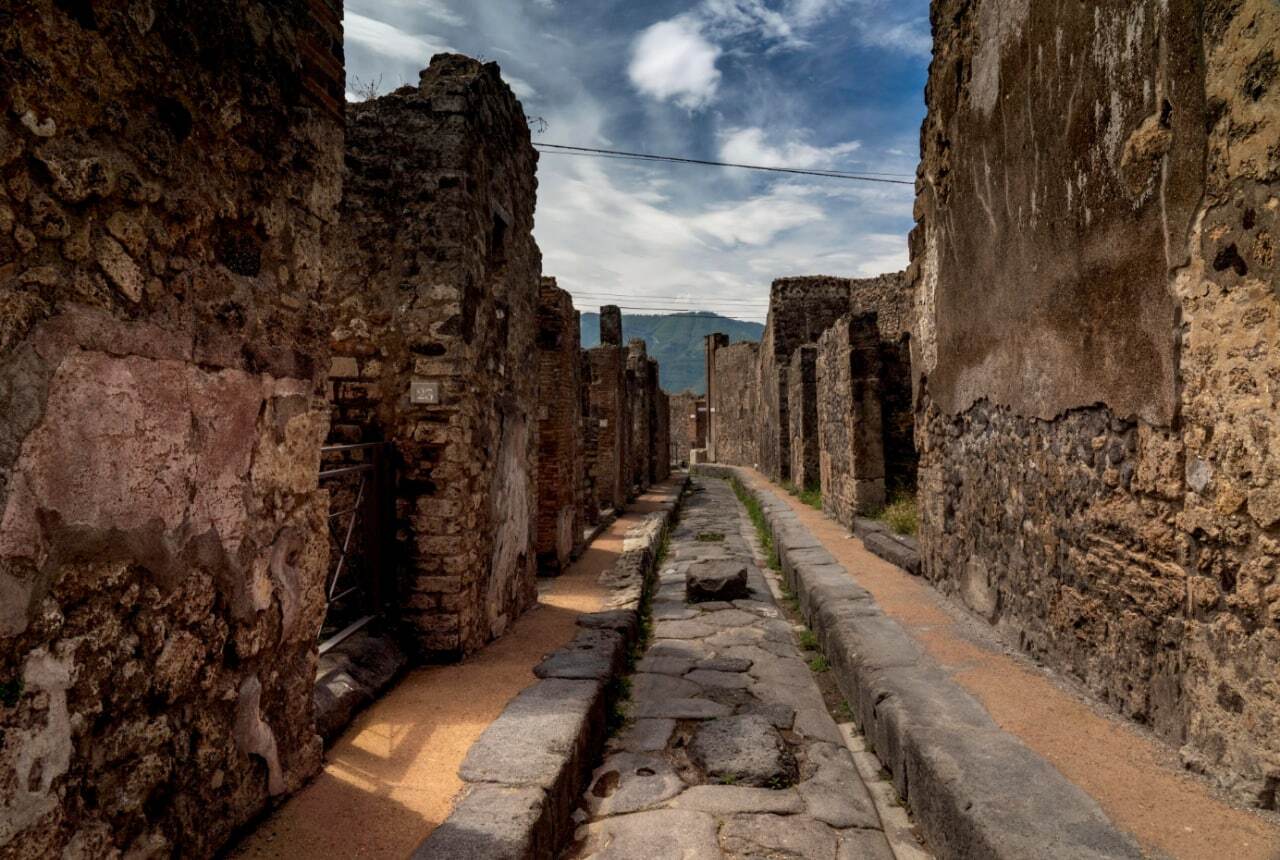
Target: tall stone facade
x: 609, y: 413
x: 712, y: 343
x: 800, y: 309
x: 436, y: 306
x: 688, y: 425
x: 560, y: 455
x: 851, y: 460
x: 589, y: 493
x: 735, y: 403
x: 170, y: 187
x: 1099, y: 472
x: 802, y: 422
x: 660, y: 449
x: 640, y: 400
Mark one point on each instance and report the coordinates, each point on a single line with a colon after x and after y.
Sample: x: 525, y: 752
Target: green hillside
x: 676, y: 341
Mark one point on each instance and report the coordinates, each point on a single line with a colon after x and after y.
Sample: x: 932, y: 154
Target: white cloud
x: 382, y: 38
x: 748, y: 146
x: 672, y: 60
x: 522, y: 88
x: 757, y: 221
x: 912, y: 38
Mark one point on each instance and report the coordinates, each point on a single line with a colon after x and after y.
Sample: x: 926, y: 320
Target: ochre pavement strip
x: 1169, y: 812
x: 392, y: 777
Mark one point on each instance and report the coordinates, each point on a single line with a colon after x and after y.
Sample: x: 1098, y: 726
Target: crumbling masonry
x: 1099, y: 473
x: 435, y: 308
x: 560, y: 450
x: 170, y: 188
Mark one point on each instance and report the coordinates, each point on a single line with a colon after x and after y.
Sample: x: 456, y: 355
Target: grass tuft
x: 819, y: 664
x: 710, y: 537
x: 900, y: 515
x: 808, y: 640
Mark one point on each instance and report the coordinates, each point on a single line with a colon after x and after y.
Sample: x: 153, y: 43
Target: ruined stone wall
x: 639, y: 399
x: 560, y: 455
x: 613, y: 423
x: 661, y: 436
x: 435, y: 302
x: 802, y: 400
x: 712, y: 343
x: 800, y: 309
x: 687, y: 424
x: 168, y: 187
x: 735, y: 404
x: 849, y: 396
x: 589, y: 495
x: 1099, y: 475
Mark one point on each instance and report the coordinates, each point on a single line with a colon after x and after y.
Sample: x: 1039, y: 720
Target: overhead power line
x: 669, y: 299
x: 642, y: 156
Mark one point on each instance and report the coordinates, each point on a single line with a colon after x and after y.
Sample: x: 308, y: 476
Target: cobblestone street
x: 728, y: 749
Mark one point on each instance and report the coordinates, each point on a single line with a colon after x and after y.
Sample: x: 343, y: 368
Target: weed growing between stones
x: 710, y: 537
x: 617, y: 694
x: 819, y: 664
x: 900, y: 515
x: 756, y: 513
x: 808, y: 640
x: 811, y: 497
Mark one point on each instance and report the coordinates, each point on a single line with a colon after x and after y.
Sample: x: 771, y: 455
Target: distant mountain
x: 676, y: 341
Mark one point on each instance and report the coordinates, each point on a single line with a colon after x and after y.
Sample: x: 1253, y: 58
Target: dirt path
x: 1133, y: 776
x: 391, y: 778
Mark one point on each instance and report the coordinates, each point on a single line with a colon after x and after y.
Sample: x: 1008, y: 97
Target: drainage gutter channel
x: 524, y: 775
x: 974, y: 789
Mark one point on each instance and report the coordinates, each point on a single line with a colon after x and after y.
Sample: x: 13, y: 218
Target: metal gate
x: 360, y: 528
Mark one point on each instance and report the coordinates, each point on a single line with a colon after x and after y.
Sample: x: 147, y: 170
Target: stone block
x: 716, y: 580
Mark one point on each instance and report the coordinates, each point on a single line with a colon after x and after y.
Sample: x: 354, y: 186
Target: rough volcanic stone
x: 592, y: 655
x: 738, y: 799
x: 660, y: 833
x: 856, y: 844
x: 775, y: 836
x: 494, y: 822
x: 716, y: 580
x: 780, y: 715
x: 835, y: 794
x: 693, y: 629
x: 729, y: 618
x: 630, y: 782
x: 647, y: 735
x: 683, y: 709
x: 726, y: 680
x: 725, y: 664
x: 746, y: 749
x: 654, y: 687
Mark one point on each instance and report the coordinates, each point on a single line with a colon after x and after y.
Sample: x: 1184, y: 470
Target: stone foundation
x: 1098, y: 470
x: 169, y: 192
x: 436, y: 310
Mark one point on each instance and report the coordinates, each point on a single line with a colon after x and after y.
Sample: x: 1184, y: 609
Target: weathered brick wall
x: 560, y: 455
x: 735, y: 403
x: 589, y: 496
x: 438, y: 285
x: 639, y: 397
x: 687, y: 424
x: 661, y: 436
x: 849, y: 396
x: 800, y: 309
x: 1098, y: 443
x: 613, y: 424
x: 802, y: 427
x: 168, y: 187
x: 712, y: 343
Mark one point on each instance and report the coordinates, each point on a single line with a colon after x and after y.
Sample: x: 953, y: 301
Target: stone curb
x: 902, y: 550
x: 524, y: 775
x: 974, y: 789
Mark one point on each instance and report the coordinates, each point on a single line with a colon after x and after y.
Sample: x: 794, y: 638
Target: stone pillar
x: 735, y: 406
x: 610, y: 325
x: 802, y: 403
x: 638, y: 398
x: 436, y: 305
x: 713, y: 341
x: 590, y: 494
x: 851, y: 446
x: 608, y: 395
x: 163, y: 244
x: 559, y: 429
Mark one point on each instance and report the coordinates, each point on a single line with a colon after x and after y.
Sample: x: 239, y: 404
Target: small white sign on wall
x: 424, y: 393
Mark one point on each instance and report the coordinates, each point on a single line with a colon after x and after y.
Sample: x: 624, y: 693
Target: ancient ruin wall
x: 802, y: 426
x: 735, y: 403
x: 613, y: 424
x: 661, y: 436
x: 688, y: 424
x: 1098, y: 442
x: 849, y: 397
x: 436, y: 303
x: 711, y: 343
x: 589, y: 494
x: 560, y: 455
x: 800, y: 309
x: 168, y: 187
x: 639, y: 399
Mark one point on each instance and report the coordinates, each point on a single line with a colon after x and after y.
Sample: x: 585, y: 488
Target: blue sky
x: 826, y: 84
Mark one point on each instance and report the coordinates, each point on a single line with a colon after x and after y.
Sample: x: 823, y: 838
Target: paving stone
x: 780, y: 715
x: 625, y: 622
x: 864, y: 845
x: 816, y: 724
x: 713, y: 605
x: 630, y: 782
x: 729, y: 618
x: 716, y: 580
x: 746, y: 749
x: 768, y: 836
x: 682, y: 709
x: 835, y: 793
x: 725, y: 680
x: 671, y: 610
x: 658, y: 834
x: 736, y: 799
x: 759, y: 607
x: 677, y: 666
x: 693, y: 629
x: 647, y: 735
x: 725, y: 664
x: 654, y: 686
